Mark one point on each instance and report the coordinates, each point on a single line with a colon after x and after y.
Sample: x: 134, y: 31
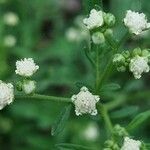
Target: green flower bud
x: 126, y: 54
x: 145, y: 53
x: 116, y: 147
x: 109, y: 143
x: 137, y: 51
x: 29, y: 87
x: 108, y: 33
x: 19, y: 86
x: 118, y: 58
x: 98, y: 38
x: 120, y: 131
x: 109, y: 19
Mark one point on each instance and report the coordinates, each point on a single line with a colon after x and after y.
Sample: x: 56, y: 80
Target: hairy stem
x: 45, y: 97
x: 109, y: 65
x: 104, y: 112
x: 97, y: 70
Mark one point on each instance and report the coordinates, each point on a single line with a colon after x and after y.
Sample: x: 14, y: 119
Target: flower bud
x: 126, y: 54
x: 109, y: 19
x: 121, y: 69
x: 120, y: 131
x: 119, y: 58
x: 137, y: 51
x: 98, y: 38
x: 29, y: 86
x: 19, y: 86
x: 145, y: 52
x: 108, y: 33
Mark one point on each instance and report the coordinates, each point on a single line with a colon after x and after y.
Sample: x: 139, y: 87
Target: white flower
x: 138, y: 65
x: 91, y: 132
x: 26, y: 67
x: 98, y: 38
x: 136, y: 22
x: 6, y: 94
x: 29, y: 86
x: 85, y: 102
x: 9, y: 41
x: 72, y: 34
x: 130, y: 144
x: 95, y: 19
x: 11, y: 19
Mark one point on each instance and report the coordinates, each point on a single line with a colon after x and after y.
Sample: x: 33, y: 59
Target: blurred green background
x: 51, y: 32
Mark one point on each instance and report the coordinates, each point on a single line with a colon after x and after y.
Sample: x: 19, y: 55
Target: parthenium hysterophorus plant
x: 99, y: 25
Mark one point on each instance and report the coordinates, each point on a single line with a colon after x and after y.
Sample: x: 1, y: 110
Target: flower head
x: 6, y: 94
x: 98, y: 38
x: 11, y: 19
x: 95, y: 19
x: 9, y: 41
x: 85, y: 102
x: 29, y: 86
x: 138, y: 65
x: 136, y: 22
x: 130, y: 144
x: 91, y: 132
x: 26, y: 67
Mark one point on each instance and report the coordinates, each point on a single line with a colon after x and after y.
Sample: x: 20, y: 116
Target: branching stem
x: 45, y: 97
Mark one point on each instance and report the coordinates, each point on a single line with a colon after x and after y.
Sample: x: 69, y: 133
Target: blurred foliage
x: 40, y: 34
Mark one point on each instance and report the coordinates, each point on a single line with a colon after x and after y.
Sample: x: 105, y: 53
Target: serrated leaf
x: 72, y: 146
x: 124, y: 112
x: 138, y: 120
x: 61, y: 121
x: 110, y: 87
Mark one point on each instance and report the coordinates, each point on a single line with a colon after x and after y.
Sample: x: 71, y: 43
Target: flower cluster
x: 99, y: 22
x: 6, y: 94
x: 130, y: 144
x: 111, y: 145
x: 25, y: 68
x: 78, y: 32
x: 137, y: 61
x: 11, y: 19
x: 136, y: 22
x: 85, y: 102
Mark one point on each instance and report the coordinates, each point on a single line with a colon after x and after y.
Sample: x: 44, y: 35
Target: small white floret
x: 98, y: 38
x: 95, y: 19
x: 130, y: 144
x: 26, y: 67
x: 10, y: 41
x: 136, y: 22
x: 139, y: 65
x: 85, y: 102
x: 6, y: 94
x: 11, y: 19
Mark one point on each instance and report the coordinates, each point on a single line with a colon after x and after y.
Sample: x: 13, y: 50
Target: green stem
x: 89, y: 57
x: 45, y: 97
x: 97, y: 69
x: 109, y: 65
x: 104, y: 112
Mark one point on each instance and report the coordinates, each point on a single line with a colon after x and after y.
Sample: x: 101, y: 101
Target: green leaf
x: 61, y: 121
x: 110, y: 87
x: 124, y: 112
x: 68, y: 146
x: 138, y: 120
